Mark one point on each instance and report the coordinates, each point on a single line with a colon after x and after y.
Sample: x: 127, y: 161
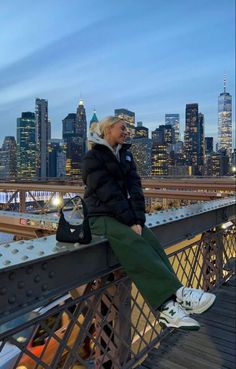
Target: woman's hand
x: 137, y: 229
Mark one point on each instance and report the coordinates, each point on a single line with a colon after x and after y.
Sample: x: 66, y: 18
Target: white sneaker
x: 193, y: 300
x: 173, y: 315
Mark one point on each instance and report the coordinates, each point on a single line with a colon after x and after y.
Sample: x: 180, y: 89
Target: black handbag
x: 67, y: 232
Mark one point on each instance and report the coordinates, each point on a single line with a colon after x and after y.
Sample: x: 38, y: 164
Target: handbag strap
x: 85, y: 211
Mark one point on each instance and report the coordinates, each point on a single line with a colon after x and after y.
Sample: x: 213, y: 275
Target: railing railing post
x: 115, y: 335
x: 219, y: 255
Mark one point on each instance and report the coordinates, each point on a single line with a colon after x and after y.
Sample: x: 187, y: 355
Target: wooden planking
x: 212, y: 347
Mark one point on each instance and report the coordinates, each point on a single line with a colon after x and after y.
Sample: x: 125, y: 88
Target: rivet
x: 12, y: 299
x: 20, y: 284
x: 51, y: 274
x: 41, y: 253
x: 1, y: 255
x: 25, y: 257
x: 7, y: 262
x: 14, y: 251
x: 12, y: 276
x: 29, y: 293
x: 44, y: 287
x: 36, y: 278
x: 30, y: 247
x: 7, y: 245
x: 3, y: 291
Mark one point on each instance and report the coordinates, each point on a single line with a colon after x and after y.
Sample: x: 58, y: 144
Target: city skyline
x: 152, y: 59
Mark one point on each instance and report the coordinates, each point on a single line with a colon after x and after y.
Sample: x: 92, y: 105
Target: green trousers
x: 142, y: 257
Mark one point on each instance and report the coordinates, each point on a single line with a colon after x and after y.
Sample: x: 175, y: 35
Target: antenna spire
x: 224, y: 83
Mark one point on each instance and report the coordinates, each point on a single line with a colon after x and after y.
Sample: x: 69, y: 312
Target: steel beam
x: 33, y: 271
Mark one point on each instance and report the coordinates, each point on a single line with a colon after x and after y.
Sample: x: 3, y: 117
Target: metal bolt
x: 29, y: 293
x: 14, y: 251
x: 25, y: 257
x: 3, y: 291
x: 44, y: 287
x: 12, y: 299
x: 51, y: 274
x: 31, y: 247
x: 37, y: 279
x: 7, y: 262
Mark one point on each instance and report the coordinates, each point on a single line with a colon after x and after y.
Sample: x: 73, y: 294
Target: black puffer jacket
x: 113, y: 187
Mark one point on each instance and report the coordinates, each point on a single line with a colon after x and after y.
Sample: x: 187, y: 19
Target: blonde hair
x: 108, y: 122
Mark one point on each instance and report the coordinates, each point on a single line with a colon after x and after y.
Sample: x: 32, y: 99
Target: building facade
x: 43, y: 130
x: 225, y: 121
x: 142, y: 152
x: 26, y: 146
x: 8, y: 158
x: 129, y: 117
x: 173, y: 120
x: 56, y: 158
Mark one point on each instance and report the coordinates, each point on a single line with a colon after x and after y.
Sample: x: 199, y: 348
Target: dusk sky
x: 148, y: 56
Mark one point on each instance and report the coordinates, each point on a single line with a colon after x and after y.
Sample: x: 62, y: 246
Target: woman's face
x: 117, y: 133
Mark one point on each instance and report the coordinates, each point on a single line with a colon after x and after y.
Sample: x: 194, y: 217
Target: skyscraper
x: 74, y: 132
x: 129, y: 117
x: 142, y: 150
x: 201, y: 148
x: 81, y: 125
x: 42, y: 133
x: 173, y: 120
x: 57, y: 158
x: 225, y: 120
x: 193, y: 138
x: 26, y: 145
x: 8, y: 158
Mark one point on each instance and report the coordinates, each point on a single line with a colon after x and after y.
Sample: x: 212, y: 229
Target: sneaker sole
x: 204, y: 308
x: 186, y: 328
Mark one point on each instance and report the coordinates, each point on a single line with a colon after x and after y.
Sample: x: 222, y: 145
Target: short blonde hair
x: 107, y: 122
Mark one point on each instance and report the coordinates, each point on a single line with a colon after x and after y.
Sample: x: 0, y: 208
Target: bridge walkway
x: 212, y: 347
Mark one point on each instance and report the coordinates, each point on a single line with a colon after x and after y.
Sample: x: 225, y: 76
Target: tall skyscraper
x: 142, y: 150
x: 225, y: 120
x: 74, y: 132
x: 57, y: 158
x: 26, y: 145
x: 201, y: 148
x: 8, y: 158
x: 68, y: 126
x: 162, y: 138
x: 42, y: 133
x: 194, y: 138
x: 173, y: 120
x: 81, y: 125
x: 129, y: 117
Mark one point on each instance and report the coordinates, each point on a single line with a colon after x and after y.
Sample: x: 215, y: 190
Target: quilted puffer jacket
x: 113, y: 186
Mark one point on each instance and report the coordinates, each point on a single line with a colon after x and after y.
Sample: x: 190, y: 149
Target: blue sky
x: 149, y: 56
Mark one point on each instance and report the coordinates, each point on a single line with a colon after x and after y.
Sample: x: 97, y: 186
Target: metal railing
x: 103, y: 322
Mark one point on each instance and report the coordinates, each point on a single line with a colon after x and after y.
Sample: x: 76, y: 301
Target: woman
x: 116, y: 208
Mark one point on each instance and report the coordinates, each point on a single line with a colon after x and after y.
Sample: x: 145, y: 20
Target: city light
x: 56, y: 201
